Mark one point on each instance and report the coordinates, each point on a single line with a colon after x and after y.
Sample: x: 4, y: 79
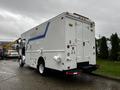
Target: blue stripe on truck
x: 40, y: 36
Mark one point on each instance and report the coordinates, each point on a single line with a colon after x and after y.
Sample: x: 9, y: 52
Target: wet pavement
x: 14, y: 78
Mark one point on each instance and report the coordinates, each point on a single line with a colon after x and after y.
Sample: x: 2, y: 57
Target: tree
x: 103, y: 48
x: 119, y: 44
x: 115, y: 46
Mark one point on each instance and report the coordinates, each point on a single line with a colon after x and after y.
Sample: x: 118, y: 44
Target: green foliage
x: 115, y: 47
x: 103, y: 50
x: 108, y: 68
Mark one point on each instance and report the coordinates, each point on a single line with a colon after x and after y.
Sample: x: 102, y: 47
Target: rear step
x: 89, y: 68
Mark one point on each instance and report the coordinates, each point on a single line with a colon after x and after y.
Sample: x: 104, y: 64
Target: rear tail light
x: 72, y: 73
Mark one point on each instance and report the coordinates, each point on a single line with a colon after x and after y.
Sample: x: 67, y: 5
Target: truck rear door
x: 79, y: 41
x: 85, y: 42
x: 82, y: 42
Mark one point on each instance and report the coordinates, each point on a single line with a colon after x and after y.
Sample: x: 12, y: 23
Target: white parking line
x: 6, y: 73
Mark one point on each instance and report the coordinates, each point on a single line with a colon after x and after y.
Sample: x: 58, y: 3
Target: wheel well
x: 40, y: 60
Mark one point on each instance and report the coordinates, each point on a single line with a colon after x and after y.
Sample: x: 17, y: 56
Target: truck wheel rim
x: 41, y: 68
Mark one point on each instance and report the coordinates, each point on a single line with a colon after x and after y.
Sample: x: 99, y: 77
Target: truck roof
x: 74, y: 16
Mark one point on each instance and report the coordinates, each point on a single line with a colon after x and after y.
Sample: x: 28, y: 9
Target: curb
x: 107, y: 77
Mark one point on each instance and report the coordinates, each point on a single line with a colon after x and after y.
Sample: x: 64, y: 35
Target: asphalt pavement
x: 12, y: 77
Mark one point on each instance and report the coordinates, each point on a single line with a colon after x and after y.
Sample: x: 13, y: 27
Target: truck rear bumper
x: 82, y: 67
x: 85, y: 66
x: 89, y: 68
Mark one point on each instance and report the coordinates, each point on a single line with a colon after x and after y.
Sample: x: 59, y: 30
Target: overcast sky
x: 17, y: 16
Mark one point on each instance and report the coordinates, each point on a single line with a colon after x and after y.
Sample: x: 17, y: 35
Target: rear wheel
x: 41, y: 68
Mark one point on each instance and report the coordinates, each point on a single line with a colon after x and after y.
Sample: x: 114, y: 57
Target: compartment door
x: 70, y: 43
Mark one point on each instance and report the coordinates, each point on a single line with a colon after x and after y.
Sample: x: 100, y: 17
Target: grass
x: 108, y: 68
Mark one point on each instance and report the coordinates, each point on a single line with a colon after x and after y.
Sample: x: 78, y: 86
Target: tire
x: 41, y: 68
x: 21, y: 64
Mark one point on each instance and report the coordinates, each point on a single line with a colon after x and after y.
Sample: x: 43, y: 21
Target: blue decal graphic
x: 40, y: 36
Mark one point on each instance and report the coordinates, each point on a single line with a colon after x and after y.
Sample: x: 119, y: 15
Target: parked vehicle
x: 1, y: 54
x: 11, y: 54
x: 64, y: 43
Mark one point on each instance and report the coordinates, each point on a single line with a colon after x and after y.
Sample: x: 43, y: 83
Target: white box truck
x: 64, y: 43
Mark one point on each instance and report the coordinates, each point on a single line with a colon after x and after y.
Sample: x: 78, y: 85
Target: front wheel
x: 41, y: 68
x: 21, y: 62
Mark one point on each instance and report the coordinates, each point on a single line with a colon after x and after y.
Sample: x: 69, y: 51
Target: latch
x: 83, y: 43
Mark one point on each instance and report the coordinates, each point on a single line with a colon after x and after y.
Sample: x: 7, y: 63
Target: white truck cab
x: 64, y: 43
